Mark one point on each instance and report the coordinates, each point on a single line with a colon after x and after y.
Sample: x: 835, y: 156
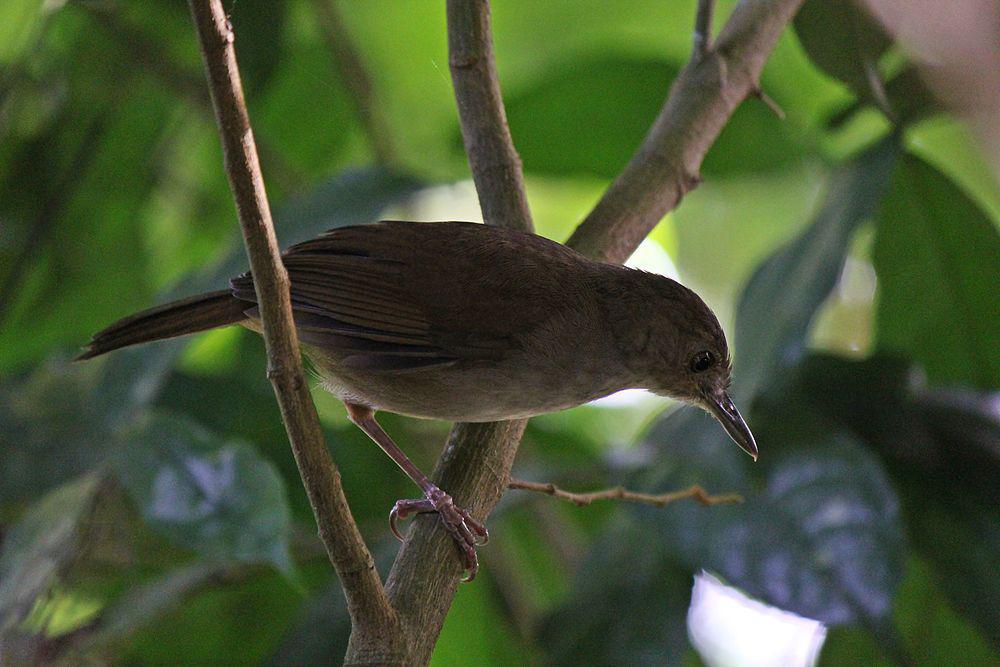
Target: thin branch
x: 667, y: 164
x: 694, y: 492
x: 770, y: 103
x: 703, y: 29
x: 354, y: 74
x: 373, y: 617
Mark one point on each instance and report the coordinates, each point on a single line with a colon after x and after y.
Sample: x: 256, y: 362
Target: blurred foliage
x: 150, y: 511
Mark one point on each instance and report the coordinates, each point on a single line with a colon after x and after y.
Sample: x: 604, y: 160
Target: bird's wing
x: 352, y: 302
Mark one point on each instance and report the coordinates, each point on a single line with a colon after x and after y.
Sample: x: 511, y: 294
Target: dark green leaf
x: 219, y: 499
x: 302, y: 645
x: 937, y: 256
x: 784, y: 293
x: 690, y: 448
x: 568, y: 123
x: 823, y: 539
x: 941, y: 447
x: 754, y: 140
x: 236, y: 623
x: 144, y: 604
x: 931, y: 629
x: 845, y: 42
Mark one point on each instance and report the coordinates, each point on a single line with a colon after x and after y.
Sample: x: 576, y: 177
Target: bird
x: 468, y: 322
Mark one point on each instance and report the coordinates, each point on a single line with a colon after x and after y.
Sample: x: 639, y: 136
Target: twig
x: 355, y: 76
x: 374, y: 619
x: 703, y: 29
x: 694, y: 492
x: 769, y: 101
x: 701, y: 101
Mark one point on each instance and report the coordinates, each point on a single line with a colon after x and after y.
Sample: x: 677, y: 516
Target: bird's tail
x: 179, y: 318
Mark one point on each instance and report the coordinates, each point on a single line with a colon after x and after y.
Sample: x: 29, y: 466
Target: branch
x: 475, y: 465
x: 496, y: 166
x: 619, y: 493
x: 373, y: 617
x: 667, y: 164
x: 703, y: 29
x: 477, y: 458
x: 355, y: 76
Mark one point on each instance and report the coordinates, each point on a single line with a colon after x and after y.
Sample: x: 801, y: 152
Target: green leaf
x: 937, y: 256
x: 143, y: 604
x: 931, y: 628
x: 42, y: 545
x: 236, y: 623
x: 219, y: 499
x: 941, y: 447
x: 302, y: 645
x: 567, y: 123
x: 782, y: 296
x: 690, y: 448
x: 823, y: 539
x: 820, y: 538
x: 845, y: 42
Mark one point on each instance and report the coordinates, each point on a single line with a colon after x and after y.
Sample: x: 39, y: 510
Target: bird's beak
x: 721, y: 406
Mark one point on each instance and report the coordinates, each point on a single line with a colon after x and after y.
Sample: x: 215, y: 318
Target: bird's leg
x: 467, y: 532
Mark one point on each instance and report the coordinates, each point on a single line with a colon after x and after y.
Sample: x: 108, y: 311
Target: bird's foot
x: 466, y: 531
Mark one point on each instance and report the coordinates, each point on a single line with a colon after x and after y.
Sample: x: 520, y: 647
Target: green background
x: 150, y: 510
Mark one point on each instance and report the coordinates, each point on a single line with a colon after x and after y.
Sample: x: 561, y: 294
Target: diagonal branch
x: 373, y: 617
x: 477, y: 459
x: 667, y: 164
x: 495, y: 164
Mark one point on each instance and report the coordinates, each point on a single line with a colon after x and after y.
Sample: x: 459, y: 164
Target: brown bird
x: 466, y: 322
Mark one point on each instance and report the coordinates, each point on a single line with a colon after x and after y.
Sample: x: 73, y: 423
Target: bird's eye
x: 702, y: 361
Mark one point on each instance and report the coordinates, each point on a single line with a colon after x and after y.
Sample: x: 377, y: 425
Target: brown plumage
x: 465, y: 322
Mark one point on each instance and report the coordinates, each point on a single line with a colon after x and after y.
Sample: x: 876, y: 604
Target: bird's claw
x: 466, y: 531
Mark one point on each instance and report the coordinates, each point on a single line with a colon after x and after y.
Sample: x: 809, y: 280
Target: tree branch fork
x: 398, y: 623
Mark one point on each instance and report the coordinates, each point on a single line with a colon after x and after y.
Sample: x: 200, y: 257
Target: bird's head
x: 693, y: 362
